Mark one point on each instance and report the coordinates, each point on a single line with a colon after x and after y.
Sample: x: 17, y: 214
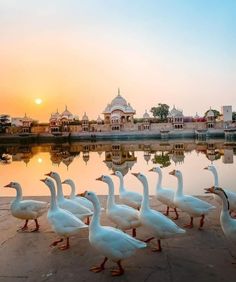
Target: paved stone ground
x: 198, y: 256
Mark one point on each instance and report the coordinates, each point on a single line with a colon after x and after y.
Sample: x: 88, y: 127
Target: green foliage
x: 161, y: 111
x: 216, y: 113
x: 163, y: 159
x: 234, y: 116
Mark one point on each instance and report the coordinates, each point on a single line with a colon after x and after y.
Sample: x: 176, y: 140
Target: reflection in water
x: 121, y: 156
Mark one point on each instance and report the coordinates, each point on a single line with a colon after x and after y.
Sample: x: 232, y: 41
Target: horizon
x: 77, y: 54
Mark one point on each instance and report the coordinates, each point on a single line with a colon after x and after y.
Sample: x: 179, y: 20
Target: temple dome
x: 146, y: 115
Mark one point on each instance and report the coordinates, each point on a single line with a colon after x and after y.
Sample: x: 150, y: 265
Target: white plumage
x: 123, y: 216
x: 164, y: 195
x: 26, y: 209
x: 110, y: 242
x: 129, y: 198
x: 77, y: 209
x: 158, y: 225
x: 231, y: 195
x: 228, y: 224
x: 63, y: 222
x: 193, y: 206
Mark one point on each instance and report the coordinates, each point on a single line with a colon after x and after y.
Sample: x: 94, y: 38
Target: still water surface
x: 82, y: 162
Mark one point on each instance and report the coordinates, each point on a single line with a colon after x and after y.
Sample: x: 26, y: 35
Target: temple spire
x: 118, y: 91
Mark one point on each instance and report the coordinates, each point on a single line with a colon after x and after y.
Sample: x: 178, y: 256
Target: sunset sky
x: 77, y: 53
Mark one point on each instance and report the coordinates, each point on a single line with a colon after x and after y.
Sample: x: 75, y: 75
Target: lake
x: 84, y: 162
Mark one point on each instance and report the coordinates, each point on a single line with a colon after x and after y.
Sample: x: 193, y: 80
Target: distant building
x: 226, y: 112
x: 118, y: 113
x: 176, y: 117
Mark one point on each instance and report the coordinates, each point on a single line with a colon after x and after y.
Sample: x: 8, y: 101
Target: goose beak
x: 113, y: 173
x: 43, y: 180
x: 172, y: 172
x: 63, y: 182
x: 8, y: 185
x: 82, y: 194
x: 152, y: 169
x: 135, y: 174
x: 205, y: 167
x: 48, y: 174
x: 209, y: 190
x: 99, y: 178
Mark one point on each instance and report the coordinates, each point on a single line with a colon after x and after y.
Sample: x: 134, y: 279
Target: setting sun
x: 38, y: 101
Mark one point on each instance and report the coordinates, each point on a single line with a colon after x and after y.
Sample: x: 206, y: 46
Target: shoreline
x: 135, y: 135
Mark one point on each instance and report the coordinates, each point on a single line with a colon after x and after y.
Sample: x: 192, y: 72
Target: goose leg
x: 201, y: 222
x: 99, y: 268
x: 190, y: 225
x: 148, y: 240
x: 119, y: 271
x: 56, y: 242
x: 176, y: 214
x: 66, y: 246
x: 134, y: 232
x: 23, y: 228
x: 37, y: 226
x: 159, y: 249
x: 87, y: 221
x: 167, y: 211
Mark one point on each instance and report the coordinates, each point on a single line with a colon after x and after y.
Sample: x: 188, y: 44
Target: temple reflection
x: 121, y: 155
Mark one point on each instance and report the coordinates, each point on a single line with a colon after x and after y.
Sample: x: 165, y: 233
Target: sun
x: 38, y: 101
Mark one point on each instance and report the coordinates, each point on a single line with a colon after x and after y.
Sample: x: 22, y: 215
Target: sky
x: 77, y: 53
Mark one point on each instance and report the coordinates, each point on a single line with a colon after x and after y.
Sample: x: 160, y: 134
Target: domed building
x: 118, y: 113
x: 176, y: 117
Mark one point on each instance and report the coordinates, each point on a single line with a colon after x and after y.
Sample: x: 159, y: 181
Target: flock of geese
x: 67, y: 215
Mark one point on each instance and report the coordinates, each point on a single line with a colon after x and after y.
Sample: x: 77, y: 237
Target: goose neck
x: 145, y: 200
x: 18, y: 193
x: 111, y: 197
x: 95, y: 222
x: 53, y: 200
x: 159, y: 181
x: 59, y: 188
x: 72, y: 193
x: 216, y: 180
x: 179, y: 191
x: 121, y: 187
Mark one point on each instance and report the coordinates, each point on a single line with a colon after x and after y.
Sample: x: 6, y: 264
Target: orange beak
x: 210, y: 190
x: 99, y: 178
x: 206, y: 167
x: 43, y: 180
x: 172, y: 172
x: 152, y: 169
x: 82, y: 194
x: 48, y: 174
x: 8, y: 185
x: 135, y: 174
x: 113, y: 173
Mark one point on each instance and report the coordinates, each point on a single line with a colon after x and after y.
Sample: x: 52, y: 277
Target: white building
x: 226, y: 112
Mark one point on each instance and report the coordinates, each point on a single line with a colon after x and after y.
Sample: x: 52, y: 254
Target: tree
x: 163, y: 159
x: 216, y: 113
x: 234, y: 116
x: 161, y: 111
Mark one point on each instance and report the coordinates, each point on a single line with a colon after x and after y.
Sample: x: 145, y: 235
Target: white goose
x: 63, y: 222
x: 129, y: 198
x: 157, y: 224
x: 164, y: 195
x: 123, y: 216
x: 78, y: 199
x: 193, y: 206
x: 231, y: 195
x: 110, y: 242
x: 228, y: 224
x: 78, y: 210
x: 26, y: 209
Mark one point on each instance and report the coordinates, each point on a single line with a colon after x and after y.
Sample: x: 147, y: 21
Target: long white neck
x: 53, y: 201
x: 179, y: 191
x: 72, y: 193
x: 216, y: 180
x: 121, y: 187
x: 18, y: 193
x: 145, y: 200
x: 59, y: 188
x: 159, y: 181
x: 111, y: 197
x: 95, y: 222
x: 225, y: 206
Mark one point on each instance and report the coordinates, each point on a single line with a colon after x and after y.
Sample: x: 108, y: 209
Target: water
x: 84, y: 162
